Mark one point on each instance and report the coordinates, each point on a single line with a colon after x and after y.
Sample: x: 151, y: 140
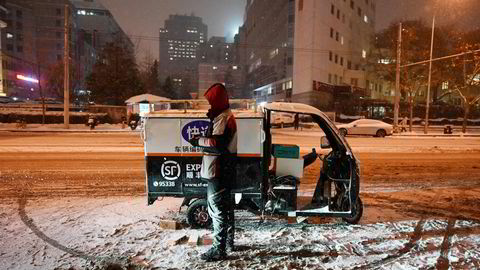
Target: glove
x: 194, y: 141
x: 210, y: 114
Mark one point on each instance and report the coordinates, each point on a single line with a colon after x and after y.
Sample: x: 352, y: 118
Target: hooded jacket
x: 220, y: 144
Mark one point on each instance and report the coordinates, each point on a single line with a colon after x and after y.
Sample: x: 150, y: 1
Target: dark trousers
x: 220, y: 209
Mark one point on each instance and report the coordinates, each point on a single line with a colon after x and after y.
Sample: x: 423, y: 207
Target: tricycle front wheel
x: 357, y: 211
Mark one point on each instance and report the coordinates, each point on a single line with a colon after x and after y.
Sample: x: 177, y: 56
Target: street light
x: 425, y: 130
x: 430, y: 66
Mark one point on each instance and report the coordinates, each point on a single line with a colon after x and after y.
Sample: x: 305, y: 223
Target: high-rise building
x: 179, y: 51
x: 33, y: 43
x: 266, y: 44
x: 216, y: 51
x: 97, y: 24
x: 217, y: 66
x: 95, y: 27
x: 302, y: 51
x: 18, y: 50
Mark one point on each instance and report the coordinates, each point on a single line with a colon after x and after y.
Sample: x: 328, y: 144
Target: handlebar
x: 309, y: 158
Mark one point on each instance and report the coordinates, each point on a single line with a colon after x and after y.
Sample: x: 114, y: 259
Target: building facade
x: 217, y: 66
x: 179, y: 51
x: 95, y: 27
x: 335, y: 38
x: 300, y: 50
x: 33, y: 44
x: 265, y: 43
x: 18, y: 50
x: 216, y: 51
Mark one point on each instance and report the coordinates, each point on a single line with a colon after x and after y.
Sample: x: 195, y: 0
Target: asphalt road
x: 402, y: 178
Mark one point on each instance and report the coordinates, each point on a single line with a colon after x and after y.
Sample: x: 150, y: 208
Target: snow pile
x: 82, y: 233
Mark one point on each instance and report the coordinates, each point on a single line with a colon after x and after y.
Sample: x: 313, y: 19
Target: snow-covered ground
x: 97, y: 233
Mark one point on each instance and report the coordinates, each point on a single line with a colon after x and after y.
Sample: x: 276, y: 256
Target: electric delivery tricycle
x: 268, y: 174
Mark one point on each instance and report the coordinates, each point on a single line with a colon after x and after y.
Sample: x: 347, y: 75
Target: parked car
x: 366, y: 127
x: 5, y: 100
x: 282, y: 119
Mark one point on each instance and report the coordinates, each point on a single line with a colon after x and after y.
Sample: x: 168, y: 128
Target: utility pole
x: 397, y: 80
x: 429, y: 77
x: 66, y: 75
x: 40, y: 89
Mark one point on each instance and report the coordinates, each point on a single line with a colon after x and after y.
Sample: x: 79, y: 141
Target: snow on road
x: 92, y: 233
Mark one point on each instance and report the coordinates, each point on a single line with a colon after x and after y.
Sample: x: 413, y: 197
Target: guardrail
x: 38, y: 107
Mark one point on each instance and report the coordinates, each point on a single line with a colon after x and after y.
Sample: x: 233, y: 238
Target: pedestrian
x: 403, y: 124
x: 296, y: 121
x: 219, y: 170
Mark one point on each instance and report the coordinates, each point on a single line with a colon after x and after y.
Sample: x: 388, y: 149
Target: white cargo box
x: 167, y: 133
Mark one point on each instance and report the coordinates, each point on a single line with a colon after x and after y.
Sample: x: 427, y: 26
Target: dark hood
x: 217, y: 97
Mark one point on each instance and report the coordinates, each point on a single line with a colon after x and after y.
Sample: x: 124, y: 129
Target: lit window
x: 214, y: 67
x: 273, y: 53
x: 9, y: 35
x: 384, y: 61
x: 364, y: 54
x: 365, y: 18
x: 341, y: 40
x: 444, y: 85
x: 234, y: 67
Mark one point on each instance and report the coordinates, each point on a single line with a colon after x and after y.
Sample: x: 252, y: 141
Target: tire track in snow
x: 415, y: 236
x: 22, y: 202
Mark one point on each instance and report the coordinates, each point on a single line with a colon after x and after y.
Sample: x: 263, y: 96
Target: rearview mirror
x: 324, y: 143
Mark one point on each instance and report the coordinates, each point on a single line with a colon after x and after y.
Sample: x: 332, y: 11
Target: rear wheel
x: 381, y: 133
x: 197, y: 214
x: 343, y: 132
x: 357, y: 211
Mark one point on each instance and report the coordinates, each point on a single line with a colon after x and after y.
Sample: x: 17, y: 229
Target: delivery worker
x: 218, y: 168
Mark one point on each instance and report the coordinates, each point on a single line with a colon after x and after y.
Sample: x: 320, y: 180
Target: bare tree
x: 415, y: 36
x: 465, y: 73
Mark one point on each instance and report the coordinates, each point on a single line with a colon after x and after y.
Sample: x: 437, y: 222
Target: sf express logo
x: 170, y: 170
x: 195, y: 128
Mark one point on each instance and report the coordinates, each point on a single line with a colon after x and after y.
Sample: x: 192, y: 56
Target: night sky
x: 145, y: 17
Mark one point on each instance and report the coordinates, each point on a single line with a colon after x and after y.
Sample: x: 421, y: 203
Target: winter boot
x: 213, y: 255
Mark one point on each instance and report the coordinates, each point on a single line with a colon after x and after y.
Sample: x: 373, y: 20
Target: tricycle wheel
x: 197, y: 214
x: 357, y: 211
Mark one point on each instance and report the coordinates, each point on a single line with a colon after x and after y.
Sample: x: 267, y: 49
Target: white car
x: 282, y: 119
x: 366, y: 127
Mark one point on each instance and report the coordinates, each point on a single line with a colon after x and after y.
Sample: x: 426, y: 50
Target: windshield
x: 337, y: 133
